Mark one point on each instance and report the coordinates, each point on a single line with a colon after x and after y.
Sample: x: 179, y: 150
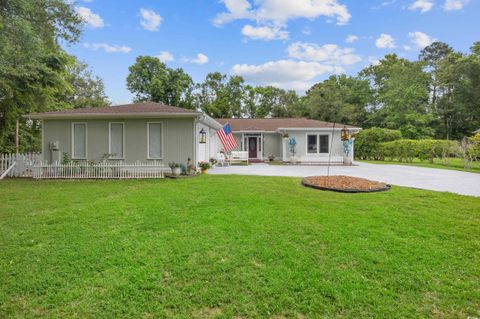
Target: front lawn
x: 453, y: 164
x: 225, y: 246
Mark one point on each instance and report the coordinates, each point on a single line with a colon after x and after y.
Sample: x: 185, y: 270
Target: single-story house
x: 154, y: 132
x: 139, y: 132
x: 316, y: 141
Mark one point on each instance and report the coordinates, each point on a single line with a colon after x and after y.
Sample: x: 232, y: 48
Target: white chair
x: 221, y: 159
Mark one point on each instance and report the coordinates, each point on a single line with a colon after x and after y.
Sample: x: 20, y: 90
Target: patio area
x: 458, y: 182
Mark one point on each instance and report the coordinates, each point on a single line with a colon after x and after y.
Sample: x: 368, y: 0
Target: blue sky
x: 286, y: 43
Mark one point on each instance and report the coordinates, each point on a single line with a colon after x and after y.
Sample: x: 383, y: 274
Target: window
x: 324, y: 144
x: 79, y: 140
x: 312, y: 144
x: 116, y: 140
x: 318, y: 143
x: 154, y: 136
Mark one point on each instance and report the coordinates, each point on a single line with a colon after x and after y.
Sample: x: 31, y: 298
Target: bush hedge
x: 406, y: 150
x: 368, y: 142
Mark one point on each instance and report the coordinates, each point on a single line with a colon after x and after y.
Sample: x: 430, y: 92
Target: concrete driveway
x: 418, y: 177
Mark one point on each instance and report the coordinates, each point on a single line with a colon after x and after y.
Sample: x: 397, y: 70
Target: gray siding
x: 178, y: 138
x: 272, y: 145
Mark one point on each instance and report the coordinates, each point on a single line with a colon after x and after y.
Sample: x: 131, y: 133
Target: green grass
x: 453, y: 164
x: 225, y: 246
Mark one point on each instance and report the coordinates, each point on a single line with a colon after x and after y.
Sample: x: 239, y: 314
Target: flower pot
x: 204, y: 171
x: 176, y: 171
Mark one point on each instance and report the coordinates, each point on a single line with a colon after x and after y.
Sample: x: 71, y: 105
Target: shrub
x: 407, y: 150
x: 368, y: 142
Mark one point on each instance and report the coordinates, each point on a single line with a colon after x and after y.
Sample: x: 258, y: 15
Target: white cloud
x: 422, y: 5
x: 385, y: 41
x: 351, y: 38
x: 264, y: 33
x: 451, y: 5
x: 91, y: 19
x: 279, y: 12
x: 150, y: 19
x: 328, y: 53
x: 420, y: 39
x: 199, y: 59
x: 287, y: 74
x: 107, y: 47
x: 407, y: 48
x: 165, y: 56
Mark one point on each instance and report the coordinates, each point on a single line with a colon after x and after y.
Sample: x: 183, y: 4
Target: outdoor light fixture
x: 345, y: 134
x: 203, y: 136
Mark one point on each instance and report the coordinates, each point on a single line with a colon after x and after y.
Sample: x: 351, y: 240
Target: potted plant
x: 176, y: 169
x: 204, y: 166
x: 213, y: 161
x: 271, y: 158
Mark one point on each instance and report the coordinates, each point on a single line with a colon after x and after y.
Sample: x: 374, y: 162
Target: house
x: 316, y: 141
x: 156, y: 133
x: 140, y: 132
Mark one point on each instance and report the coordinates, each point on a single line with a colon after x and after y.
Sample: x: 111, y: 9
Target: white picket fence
x: 103, y: 170
x: 18, y: 165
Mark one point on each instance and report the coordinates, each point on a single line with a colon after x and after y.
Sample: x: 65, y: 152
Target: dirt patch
x: 346, y: 184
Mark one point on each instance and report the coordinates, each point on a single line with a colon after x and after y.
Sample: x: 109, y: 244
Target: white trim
x: 148, y: 140
x: 43, y: 151
x: 73, y: 141
x: 318, y: 143
x: 339, y: 128
x: 110, y: 140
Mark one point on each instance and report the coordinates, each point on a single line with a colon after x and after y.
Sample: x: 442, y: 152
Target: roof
x: 145, y: 109
x: 275, y: 124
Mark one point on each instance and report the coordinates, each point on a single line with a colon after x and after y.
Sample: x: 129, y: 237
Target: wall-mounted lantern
x: 345, y: 134
x: 203, y: 136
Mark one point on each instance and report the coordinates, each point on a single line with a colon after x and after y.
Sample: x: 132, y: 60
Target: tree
x: 151, y: 80
x: 459, y: 105
x: 221, y: 96
x: 432, y: 55
x: 339, y: 99
x: 400, y: 96
x: 33, y: 67
x: 85, y: 89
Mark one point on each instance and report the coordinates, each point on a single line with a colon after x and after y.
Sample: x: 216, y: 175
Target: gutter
x: 43, y: 116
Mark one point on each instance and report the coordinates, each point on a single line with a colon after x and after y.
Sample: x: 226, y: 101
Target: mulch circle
x: 345, y: 184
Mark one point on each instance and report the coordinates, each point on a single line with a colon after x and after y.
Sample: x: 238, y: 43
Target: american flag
x: 226, y: 136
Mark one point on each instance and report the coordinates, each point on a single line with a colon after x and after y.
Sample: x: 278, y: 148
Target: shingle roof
x: 273, y: 124
x: 134, y: 108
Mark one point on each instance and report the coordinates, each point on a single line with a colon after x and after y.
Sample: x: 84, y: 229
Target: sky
x: 291, y: 44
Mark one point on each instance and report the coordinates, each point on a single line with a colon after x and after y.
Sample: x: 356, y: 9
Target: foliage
x: 36, y: 74
x: 340, y: 99
x: 401, y: 96
x: 85, y: 89
x: 204, y: 165
x: 213, y: 161
x: 475, y: 140
x: 221, y: 96
x: 182, y: 248
x: 368, y: 142
x: 268, y: 101
x: 407, y: 150
x: 173, y: 165
x: 151, y: 80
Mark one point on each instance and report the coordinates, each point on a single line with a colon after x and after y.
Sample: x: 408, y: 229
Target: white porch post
x: 284, y: 149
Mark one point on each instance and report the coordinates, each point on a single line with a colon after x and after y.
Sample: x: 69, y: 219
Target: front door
x: 252, y: 147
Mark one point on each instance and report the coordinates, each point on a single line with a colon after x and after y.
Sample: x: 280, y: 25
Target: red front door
x: 252, y: 147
